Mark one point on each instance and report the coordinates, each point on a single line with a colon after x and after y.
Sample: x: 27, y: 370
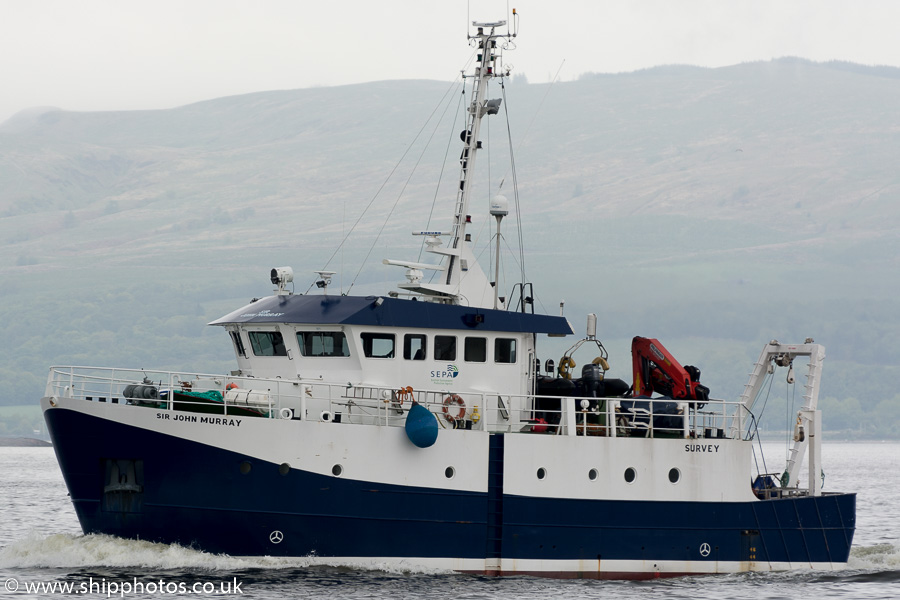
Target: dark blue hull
x: 136, y: 483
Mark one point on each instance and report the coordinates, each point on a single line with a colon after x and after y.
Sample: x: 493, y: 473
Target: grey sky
x: 124, y: 55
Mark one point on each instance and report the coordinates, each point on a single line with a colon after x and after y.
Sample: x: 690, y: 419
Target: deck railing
x: 304, y: 399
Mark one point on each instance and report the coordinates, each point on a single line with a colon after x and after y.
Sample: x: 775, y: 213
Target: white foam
x: 881, y: 557
x: 67, y: 550
x: 70, y: 551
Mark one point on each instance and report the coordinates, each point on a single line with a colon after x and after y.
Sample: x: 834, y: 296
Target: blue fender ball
x: 421, y: 426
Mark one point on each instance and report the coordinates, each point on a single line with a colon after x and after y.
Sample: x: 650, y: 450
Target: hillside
x: 714, y: 209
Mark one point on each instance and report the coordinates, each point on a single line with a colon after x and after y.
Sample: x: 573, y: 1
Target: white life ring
x: 451, y: 400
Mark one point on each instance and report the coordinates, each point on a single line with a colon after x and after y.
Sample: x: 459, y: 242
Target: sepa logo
x: 451, y: 372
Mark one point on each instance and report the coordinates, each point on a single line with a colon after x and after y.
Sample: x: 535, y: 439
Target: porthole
x: 449, y: 472
x: 336, y: 470
x: 284, y: 468
x: 541, y: 473
x: 630, y: 475
x: 245, y: 467
x: 593, y: 474
x: 674, y: 475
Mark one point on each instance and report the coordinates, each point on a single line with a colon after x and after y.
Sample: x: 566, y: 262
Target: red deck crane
x: 656, y: 370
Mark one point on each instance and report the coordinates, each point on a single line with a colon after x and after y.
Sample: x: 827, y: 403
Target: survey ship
x: 420, y: 429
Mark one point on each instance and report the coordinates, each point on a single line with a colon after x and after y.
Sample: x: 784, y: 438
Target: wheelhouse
x: 378, y: 341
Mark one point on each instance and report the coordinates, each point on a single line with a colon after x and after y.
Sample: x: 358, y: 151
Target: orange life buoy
x: 231, y: 386
x: 450, y: 401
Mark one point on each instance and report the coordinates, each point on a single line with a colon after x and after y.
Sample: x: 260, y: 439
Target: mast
x: 463, y: 281
x: 478, y: 107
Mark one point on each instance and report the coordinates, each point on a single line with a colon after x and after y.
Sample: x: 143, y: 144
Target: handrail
x: 309, y: 399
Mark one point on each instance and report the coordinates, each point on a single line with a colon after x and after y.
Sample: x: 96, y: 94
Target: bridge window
x: 238, y: 343
x: 378, y: 345
x: 267, y: 343
x: 444, y: 347
x: 476, y: 349
x: 505, y: 350
x: 415, y: 346
x: 323, y: 343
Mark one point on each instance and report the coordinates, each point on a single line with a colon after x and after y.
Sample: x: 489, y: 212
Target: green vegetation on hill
x: 713, y: 209
x: 22, y: 421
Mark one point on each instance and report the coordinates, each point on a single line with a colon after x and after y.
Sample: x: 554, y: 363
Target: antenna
x: 499, y: 208
x: 324, y: 280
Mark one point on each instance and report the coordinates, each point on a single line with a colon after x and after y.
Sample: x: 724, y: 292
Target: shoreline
x: 24, y: 442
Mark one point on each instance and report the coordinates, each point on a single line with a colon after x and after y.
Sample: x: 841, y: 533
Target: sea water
x: 41, y: 544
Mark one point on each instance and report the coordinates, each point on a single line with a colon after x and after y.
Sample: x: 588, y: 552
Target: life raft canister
x: 451, y: 400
